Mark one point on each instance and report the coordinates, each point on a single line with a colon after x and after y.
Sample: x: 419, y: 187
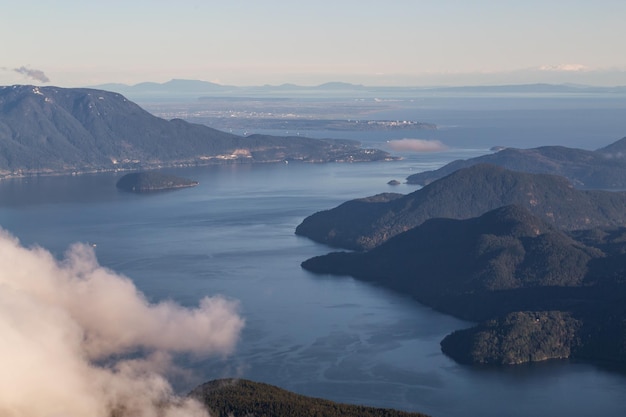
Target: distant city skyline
x: 403, y: 42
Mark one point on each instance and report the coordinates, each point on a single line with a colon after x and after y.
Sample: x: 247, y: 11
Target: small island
x: 145, y: 182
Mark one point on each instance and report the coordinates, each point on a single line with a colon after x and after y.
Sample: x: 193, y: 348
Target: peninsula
x: 539, y: 293
x: 538, y: 263
x: 241, y: 397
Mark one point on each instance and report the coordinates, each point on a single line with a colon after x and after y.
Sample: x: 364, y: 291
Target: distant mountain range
x: 604, y: 168
x: 47, y: 130
x: 178, y: 88
x: 365, y: 223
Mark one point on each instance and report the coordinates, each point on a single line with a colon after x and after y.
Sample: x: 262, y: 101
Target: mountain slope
x: 59, y: 130
x: 504, y: 249
x: 470, y: 192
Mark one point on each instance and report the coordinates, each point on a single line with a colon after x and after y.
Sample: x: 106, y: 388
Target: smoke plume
x: 67, y: 329
x: 416, y: 145
x: 35, y: 74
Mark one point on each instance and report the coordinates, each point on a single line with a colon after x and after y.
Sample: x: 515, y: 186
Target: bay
x: 324, y: 336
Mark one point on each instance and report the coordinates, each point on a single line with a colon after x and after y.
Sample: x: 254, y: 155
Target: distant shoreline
x: 156, y: 167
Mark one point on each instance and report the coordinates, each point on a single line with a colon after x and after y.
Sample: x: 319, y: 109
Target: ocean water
x: 464, y: 122
x: 324, y: 336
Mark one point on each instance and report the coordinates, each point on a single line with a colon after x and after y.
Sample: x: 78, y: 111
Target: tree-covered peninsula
x: 540, y: 293
x: 241, y: 398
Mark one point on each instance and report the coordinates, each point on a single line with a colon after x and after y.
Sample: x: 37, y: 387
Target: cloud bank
x: 564, y: 67
x: 68, y: 326
x: 416, y: 145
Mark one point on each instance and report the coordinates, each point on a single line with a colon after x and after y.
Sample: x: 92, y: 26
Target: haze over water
x: 324, y: 336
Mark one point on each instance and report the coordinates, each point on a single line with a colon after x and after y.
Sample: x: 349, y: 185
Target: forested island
x: 144, y: 182
x: 539, y: 264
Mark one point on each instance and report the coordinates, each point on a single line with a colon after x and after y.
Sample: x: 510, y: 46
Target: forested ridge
x: 470, y: 192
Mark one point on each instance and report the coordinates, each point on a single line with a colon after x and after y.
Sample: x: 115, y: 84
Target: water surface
x: 324, y: 336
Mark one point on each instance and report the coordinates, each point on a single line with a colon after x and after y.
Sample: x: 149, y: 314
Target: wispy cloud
x: 416, y: 145
x: 34, y: 74
x: 67, y: 327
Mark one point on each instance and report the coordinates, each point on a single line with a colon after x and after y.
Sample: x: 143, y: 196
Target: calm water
x: 323, y: 336
x: 318, y: 335
x: 587, y: 122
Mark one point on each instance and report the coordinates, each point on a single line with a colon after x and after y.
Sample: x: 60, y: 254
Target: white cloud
x: 62, y: 321
x: 416, y: 145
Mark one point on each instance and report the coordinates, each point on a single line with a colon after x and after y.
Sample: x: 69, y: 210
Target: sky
x: 73, y: 43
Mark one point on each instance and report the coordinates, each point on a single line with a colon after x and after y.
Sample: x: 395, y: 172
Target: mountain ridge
x: 365, y: 223
x: 199, y: 87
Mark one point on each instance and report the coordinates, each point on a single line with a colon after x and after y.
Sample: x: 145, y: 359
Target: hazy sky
x: 245, y: 42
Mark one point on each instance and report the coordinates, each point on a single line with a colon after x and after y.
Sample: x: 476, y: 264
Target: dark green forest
x: 540, y: 293
x: 242, y: 398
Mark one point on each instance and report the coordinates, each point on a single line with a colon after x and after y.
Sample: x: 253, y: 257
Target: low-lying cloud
x: 564, y: 67
x: 416, y: 145
x: 68, y: 327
